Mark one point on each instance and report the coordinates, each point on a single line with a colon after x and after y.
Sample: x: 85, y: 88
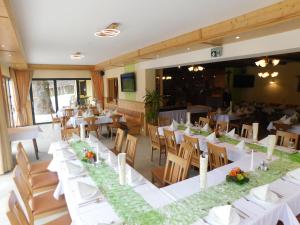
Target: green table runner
x: 133, y: 209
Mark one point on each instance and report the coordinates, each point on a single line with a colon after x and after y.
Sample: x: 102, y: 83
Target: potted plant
x: 152, y: 101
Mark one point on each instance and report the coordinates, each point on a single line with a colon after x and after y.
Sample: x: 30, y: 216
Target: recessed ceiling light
x: 237, y: 37
x: 76, y: 56
x: 110, y: 31
x: 2, y: 45
x: 188, y: 49
x: 9, y: 54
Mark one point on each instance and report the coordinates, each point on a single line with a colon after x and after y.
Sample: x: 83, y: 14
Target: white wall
x: 272, y: 44
x: 284, y: 42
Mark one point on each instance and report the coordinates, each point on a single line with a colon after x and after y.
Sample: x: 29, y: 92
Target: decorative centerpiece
x: 89, y: 156
x: 238, y: 176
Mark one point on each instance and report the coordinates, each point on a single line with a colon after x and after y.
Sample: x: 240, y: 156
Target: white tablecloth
x: 226, y: 117
x: 102, y: 212
x: 77, y: 120
x: 177, y: 115
x: 24, y: 133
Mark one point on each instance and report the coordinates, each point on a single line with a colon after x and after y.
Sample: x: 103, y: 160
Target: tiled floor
x: 143, y: 163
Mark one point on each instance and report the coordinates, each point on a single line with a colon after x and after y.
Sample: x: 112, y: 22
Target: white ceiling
x: 53, y: 29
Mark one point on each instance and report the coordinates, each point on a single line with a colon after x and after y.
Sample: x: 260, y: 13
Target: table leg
x: 36, y: 150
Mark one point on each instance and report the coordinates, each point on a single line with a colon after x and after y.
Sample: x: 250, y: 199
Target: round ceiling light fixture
x: 110, y: 31
x: 76, y: 56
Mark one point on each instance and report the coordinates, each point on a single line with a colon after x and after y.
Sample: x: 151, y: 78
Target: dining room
x: 126, y: 113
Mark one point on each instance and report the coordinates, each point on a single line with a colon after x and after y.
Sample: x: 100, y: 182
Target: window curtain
x: 6, y: 162
x: 98, y: 89
x: 21, y: 82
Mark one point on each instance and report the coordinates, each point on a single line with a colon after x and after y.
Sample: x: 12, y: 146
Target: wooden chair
x: 38, y: 206
x: 67, y: 133
x: 222, y: 126
x: 69, y: 112
x: 33, y: 168
x: 164, y: 121
x: 130, y: 149
x: 115, y: 123
x: 217, y: 156
x: 287, y: 139
x: 16, y: 215
x: 55, y: 120
x: 203, y: 121
x: 176, y: 168
x: 38, y: 182
x: 157, y: 142
x: 91, y: 125
x: 194, y: 142
x: 247, y: 131
x: 118, y: 141
x: 170, y: 140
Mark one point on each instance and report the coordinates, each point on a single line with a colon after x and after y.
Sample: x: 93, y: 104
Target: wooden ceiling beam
x: 272, y: 15
x: 59, y: 67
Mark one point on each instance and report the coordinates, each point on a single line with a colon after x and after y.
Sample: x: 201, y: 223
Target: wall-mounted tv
x: 243, y: 81
x: 128, y: 83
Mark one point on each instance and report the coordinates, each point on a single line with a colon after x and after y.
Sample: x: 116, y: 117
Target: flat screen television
x: 128, y: 83
x: 243, y: 81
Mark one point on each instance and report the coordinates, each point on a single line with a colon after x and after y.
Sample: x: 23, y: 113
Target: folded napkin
x: 173, y: 126
x: 212, y: 137
x: 87, y: 191
x: 108, y: 114
x: 63, y: 144
x: 263, y: 193
x: 231, y: 133
x: 74, y: 169
x: 241, y: 145
x: 188, y: 131
x: 133, y: 178
x: 283, y: 118
x: 68, y: 154
x: 287, y: 120
x: 205, y: 128
x: 294, y: 174
x: 223, y: 215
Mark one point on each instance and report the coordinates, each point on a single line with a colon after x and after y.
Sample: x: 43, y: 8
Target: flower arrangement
x: 238, y: 176
x: 89, y: 156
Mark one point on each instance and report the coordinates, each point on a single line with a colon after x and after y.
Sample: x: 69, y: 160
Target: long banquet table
x: 177, y: 203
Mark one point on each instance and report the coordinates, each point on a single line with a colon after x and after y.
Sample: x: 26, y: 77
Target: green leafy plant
x: 152, y: 101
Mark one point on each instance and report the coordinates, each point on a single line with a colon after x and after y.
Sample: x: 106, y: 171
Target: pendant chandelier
x: 269, y: 64
x: 195, y: 68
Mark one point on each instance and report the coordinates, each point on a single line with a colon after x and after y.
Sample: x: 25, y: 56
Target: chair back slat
x: 69, y: 112
x: 67, y: 133
x: 15, y: 214
x: 287, y: 139
x: 130, y: 149
x: 203, y: 121
x: 170, y: 141
x: 23, y: 189
x: 91, y: 123
x: 217, y: 156
x: 153, y: 133
x: 176, y: 169
x: 119, y: 140
x: 194, y: 142
x: 247, y: 131
x: 222, y: 126
x: 22, y: 159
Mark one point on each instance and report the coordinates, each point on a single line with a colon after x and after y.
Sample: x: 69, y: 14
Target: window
x: 50, y: 95
x: 112, y: 84
x: 8, y: 98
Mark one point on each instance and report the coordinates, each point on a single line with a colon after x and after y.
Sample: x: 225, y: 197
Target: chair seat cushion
x: 39, y: 167
x: 45, y: 203
x: 43, y: 180
x: 63, y: 220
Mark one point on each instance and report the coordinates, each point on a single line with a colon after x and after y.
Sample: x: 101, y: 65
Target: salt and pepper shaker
x: 263, y: 166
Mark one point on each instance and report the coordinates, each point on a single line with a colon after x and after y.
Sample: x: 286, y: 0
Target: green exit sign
x: 216, y: 52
